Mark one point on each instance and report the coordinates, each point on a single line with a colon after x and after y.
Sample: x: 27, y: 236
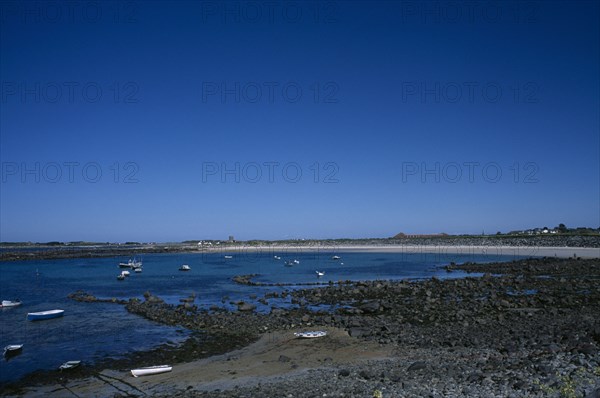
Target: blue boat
x: 39, y: 316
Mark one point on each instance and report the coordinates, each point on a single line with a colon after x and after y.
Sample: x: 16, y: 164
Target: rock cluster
x: 82, y: 296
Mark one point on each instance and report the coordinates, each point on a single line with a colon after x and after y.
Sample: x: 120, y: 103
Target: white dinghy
x: 12, y: 349
x: 69, y: 365
x: 151, y: 370
x: 9, y: 303
x: 310, y: 335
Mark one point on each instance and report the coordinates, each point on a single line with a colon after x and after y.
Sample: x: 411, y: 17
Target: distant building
x: 231, y: 238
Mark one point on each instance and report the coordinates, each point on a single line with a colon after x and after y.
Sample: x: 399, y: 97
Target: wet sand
x: 274, y: 356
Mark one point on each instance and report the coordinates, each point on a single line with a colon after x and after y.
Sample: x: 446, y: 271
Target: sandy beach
x: 276, y: 355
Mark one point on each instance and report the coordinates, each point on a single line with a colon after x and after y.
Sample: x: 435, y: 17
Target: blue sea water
x: 94, y: 331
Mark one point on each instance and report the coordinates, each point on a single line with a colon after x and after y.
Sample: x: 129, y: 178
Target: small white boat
x: 12, y: 349
x: 310, y: 335
x: 320, y: 273
x: 121, y: 277
x: 151, y: 370
x: 132, y: 263
x: 69, y: 365
x: 138, y: 270
x: 9, y: 303
x: 39, y: 316
x: 228, y: 257
x: 184, y: 267
x: 125, y: 273
x: 288, y: 263
x: 335, y: 257
x: 296, y: 261
x: 277, y: 257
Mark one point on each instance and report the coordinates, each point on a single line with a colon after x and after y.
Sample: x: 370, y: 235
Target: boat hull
x: 152, y: 370
x: 310, y: 335
x: 8, y: 303
x: 12, y: 350
x: 69, y: 365
x: 41, y: 316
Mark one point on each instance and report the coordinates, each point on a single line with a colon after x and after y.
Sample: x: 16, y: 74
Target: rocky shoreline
x: 528, y: 328
x: 57, y: 253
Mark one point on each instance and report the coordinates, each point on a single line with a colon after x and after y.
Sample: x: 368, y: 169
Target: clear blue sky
x: 408, y: 111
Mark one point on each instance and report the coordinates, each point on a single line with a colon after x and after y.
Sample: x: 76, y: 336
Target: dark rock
x: 594, y: 394
x: 587, y: 349
x: 366, y: 374
x: 284, y: 358
x: 417, y: 366
x: 344, y: 373
x: 246, y: 307
x: 396, y: 376
x: 370, y: 307
x: 475, y: 377
x: 359, y: 332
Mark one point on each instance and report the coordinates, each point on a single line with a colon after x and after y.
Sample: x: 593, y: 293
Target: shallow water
x: 93, y: 331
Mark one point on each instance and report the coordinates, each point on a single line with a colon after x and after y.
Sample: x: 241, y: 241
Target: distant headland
x: 559, y: 237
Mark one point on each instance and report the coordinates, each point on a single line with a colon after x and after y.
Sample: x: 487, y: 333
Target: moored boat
x: 12, y: 349
x: 228, y: 257
x: 311, y: 335
x: 184, y: 267
x: 121, y: 277
x: 9, y: 303
x: 69, y: 365
x: 132, y: 263
x: 335, y: 257
x: 151, y: 370
x: 39, y: 316
x: 125, y: 273
x: 320, y: 273
x: 138, y: 270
